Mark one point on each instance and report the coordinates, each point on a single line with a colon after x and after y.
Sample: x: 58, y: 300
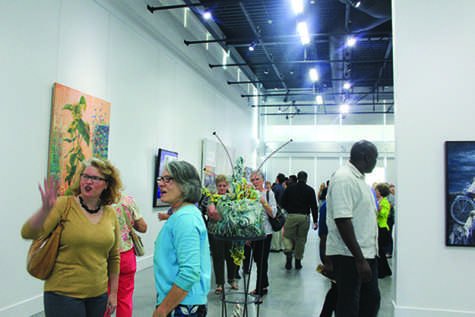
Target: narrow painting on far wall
x: 460, y: 193
x: 79, y: 131
x: 209, y: 176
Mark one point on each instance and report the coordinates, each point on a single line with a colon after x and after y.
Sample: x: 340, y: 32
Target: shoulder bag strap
x: 267, y: 196
x: 68, y: 207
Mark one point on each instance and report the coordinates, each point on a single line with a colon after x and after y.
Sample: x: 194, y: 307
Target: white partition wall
x: 434, y: 80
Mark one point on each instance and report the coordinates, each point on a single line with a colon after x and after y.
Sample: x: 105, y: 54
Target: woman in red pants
x: 127, y: 213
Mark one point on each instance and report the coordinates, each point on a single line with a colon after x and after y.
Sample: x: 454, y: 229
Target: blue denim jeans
x: 57, y: 305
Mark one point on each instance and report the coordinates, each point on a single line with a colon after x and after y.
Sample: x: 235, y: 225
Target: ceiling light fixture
x: 357, y: 4
x: 207, y: 15
x: 252, y: 46
x: 313, y: 74
x: 351, y: 41
x: 344, y: 108
x: 347, y: 85
x: 302, y: 30
x: 319, y: 100
x: 297, y: 5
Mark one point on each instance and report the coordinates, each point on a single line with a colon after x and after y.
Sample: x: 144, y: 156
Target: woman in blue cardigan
x: 182, y: 264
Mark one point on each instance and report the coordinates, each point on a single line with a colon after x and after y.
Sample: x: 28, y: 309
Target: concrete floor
x: 291, y: 293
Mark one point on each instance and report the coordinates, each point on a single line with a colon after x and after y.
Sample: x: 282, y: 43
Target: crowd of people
x: 95, y: 268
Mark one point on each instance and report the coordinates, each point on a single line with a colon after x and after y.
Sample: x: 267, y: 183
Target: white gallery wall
x: 162, y: 94
x: 434, y: 81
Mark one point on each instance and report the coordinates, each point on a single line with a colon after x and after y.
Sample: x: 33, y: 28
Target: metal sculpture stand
x: 248, y: 298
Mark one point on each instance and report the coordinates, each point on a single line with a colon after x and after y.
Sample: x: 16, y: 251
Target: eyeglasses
x: 165, y: 179
x: 92, y: 178
x: 255, y: 179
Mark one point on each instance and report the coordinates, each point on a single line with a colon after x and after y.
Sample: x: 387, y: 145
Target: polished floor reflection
x: 291, y: 293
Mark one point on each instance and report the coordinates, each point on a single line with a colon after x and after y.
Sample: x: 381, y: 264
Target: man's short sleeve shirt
x: 350, y: 197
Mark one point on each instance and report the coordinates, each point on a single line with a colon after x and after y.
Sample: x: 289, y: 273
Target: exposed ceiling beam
x: 266, y: 52
x: 216, y: 33
x: 314, y: 104
x: 368, y: 36
x: 314, y: 61
x: 313, y: 94
x: 244, y: 82
x: 324, y: 113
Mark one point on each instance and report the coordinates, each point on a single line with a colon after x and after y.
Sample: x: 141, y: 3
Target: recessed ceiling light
x: 302, y: 29
x: 319, y: 100
x: 351, y: 41
x: 207, y: 15
x: 344, y: 108
x: 313, y: 74
x: 297, y: 5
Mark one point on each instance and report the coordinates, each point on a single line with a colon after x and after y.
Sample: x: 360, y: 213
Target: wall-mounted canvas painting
x: 164, y: 156
x: 209, y: 176
x: 460, y: 193
x: 79, y: 131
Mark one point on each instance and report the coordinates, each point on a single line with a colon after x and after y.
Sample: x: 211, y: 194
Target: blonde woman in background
x: 221, y: 249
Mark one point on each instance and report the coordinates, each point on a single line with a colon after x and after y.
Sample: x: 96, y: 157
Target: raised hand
x: 48, y: 197
x: 48, y: 194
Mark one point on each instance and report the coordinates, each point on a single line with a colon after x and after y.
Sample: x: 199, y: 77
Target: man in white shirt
x: 352, y: 242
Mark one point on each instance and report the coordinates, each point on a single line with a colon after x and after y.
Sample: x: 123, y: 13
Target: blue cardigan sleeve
x: 187, y: 240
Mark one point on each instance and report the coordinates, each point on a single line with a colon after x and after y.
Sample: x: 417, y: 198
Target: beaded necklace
x: 91, y: 211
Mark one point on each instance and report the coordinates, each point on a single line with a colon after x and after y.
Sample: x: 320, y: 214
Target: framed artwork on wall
x: 164, y: 156
x: 209, y: 175
x: 460, y: 193
x: 79, y: 131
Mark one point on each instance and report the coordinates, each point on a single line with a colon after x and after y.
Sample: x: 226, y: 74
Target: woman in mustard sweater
x: 88, y: 256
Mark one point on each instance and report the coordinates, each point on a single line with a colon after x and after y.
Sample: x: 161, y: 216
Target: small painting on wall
x: 460, y: 193
x: 209, y: 176
x: 79, y: 131
x: 164, y: 156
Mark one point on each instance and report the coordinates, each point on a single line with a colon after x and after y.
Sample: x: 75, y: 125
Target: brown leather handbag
x: 43, y: 251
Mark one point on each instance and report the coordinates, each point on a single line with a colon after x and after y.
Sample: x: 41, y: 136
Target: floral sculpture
x: 240, y: 211
x: 242, y: 215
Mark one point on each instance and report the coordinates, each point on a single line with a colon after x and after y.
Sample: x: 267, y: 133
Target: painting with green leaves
x: 79, y: 131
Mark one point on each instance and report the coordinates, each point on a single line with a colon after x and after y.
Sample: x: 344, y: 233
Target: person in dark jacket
x: 298, y: 200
